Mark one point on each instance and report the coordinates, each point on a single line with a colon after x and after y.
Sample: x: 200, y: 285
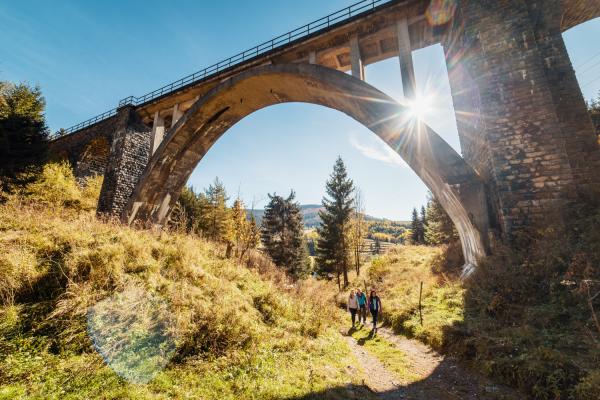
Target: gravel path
x: 438, y: 377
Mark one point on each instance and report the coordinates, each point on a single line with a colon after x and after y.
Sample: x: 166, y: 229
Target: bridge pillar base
x: 129, y: 155
x: 522, y: 120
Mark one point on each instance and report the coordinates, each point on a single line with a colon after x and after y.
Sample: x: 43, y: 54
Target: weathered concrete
x: 407, y: 71
x: 158, y: 131
x: 453, y: 182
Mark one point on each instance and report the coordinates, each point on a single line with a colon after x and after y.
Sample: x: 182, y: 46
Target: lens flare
x: 132, y: 332
x: 440, y: 12
x: 420, y: 106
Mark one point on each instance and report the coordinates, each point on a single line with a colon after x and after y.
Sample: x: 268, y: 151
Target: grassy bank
x: 527, y: 325
x: 97, y: 310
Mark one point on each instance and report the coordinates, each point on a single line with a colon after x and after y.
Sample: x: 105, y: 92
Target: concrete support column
x: 158, y: 131
x: 177, y: 113
x: 407, y: 70
x: 358, y: 68
x: 128, y: 157
x: 312, y: 57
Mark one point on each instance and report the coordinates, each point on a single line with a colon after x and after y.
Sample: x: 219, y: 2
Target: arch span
x: 456, y: 185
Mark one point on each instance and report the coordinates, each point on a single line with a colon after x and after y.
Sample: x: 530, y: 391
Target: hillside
x: 531, y: 333
x: 94, y: 310
x: 310, y: 213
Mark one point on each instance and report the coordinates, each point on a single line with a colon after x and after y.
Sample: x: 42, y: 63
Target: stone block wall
x: 87, y: 150
x: 129, y: 155
x: 521, y: 117
x: 93, y: 159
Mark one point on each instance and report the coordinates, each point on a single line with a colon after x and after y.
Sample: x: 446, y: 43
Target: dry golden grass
x: 160, y: 307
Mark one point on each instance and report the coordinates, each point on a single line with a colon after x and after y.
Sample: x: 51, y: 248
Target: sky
x: 87, y: 55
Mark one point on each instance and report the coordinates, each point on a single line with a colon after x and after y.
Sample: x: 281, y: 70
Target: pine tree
x: 422, y: 225
x: 217, y: 215
x: 189, y: 212
x: 282, y: 234
x: 415, y: 224
x: 238, y: 224
x: 23, y: 134
x: 333, y: 246
x: 440, y: 228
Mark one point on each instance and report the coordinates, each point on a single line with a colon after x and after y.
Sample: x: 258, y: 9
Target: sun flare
x: 420, y: 106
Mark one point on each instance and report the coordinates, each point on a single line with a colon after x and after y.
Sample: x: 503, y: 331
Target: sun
x: 420, y: 106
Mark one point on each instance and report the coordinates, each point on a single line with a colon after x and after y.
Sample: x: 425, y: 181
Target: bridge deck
x: 372, y: 21
x: 325, y: 41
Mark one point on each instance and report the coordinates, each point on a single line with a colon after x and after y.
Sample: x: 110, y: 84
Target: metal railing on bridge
x: 312, y: 28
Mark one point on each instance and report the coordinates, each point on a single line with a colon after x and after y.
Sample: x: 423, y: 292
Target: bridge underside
x: 522, y: 120
x: 449, y: 177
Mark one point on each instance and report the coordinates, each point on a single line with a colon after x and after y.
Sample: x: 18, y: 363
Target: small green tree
x: 358, y: 229
x: 244, y: 233
x: 189, y: 212
x: 23, y: 134
x: 217, y: 215
x: 415, y: 227
x: 333, y: 249
x: 440, y: 228
x: 282, y: 234
x: 594, y: 104
x: 422, y: 225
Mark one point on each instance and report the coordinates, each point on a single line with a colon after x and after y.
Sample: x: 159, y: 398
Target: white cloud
x: 377, y: 150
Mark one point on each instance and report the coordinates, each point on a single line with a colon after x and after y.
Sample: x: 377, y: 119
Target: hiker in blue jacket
x: 362, y: 306
x: 374, y: 307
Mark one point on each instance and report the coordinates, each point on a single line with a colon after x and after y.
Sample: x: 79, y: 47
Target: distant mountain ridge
x: 310, y: 214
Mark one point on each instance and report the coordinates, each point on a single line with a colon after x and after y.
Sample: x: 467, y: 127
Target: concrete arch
x: 577, y: 12
x: 448, y: 176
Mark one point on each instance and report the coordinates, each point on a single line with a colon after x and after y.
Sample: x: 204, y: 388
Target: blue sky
x: 86, y: 55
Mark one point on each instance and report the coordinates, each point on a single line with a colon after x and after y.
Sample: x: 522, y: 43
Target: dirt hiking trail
x: 431, y: 376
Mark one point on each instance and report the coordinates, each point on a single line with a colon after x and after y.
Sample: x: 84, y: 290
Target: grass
x: 390, y: 356
x: 91, y: 309
x: 397, y: 275
x: 522, y: 319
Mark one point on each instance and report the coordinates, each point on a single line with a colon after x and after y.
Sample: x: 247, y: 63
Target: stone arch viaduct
x: 527, y: 140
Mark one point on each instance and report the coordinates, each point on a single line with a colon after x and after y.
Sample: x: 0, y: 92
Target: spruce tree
x: 333, y: 249
x: 440, y: 228
x: 282, y: 234
x: 23, y: 134
x: 217, y: 215
x: 415, y: 229
x: 189, y: 212
x: 422, y: 225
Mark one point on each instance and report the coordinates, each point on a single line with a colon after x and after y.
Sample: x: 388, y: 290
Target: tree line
x: 432, y: 226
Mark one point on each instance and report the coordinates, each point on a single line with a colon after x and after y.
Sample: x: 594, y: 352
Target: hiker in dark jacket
x: 374, y: 307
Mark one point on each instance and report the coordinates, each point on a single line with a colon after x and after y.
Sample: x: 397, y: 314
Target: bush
x: 56, y: 187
